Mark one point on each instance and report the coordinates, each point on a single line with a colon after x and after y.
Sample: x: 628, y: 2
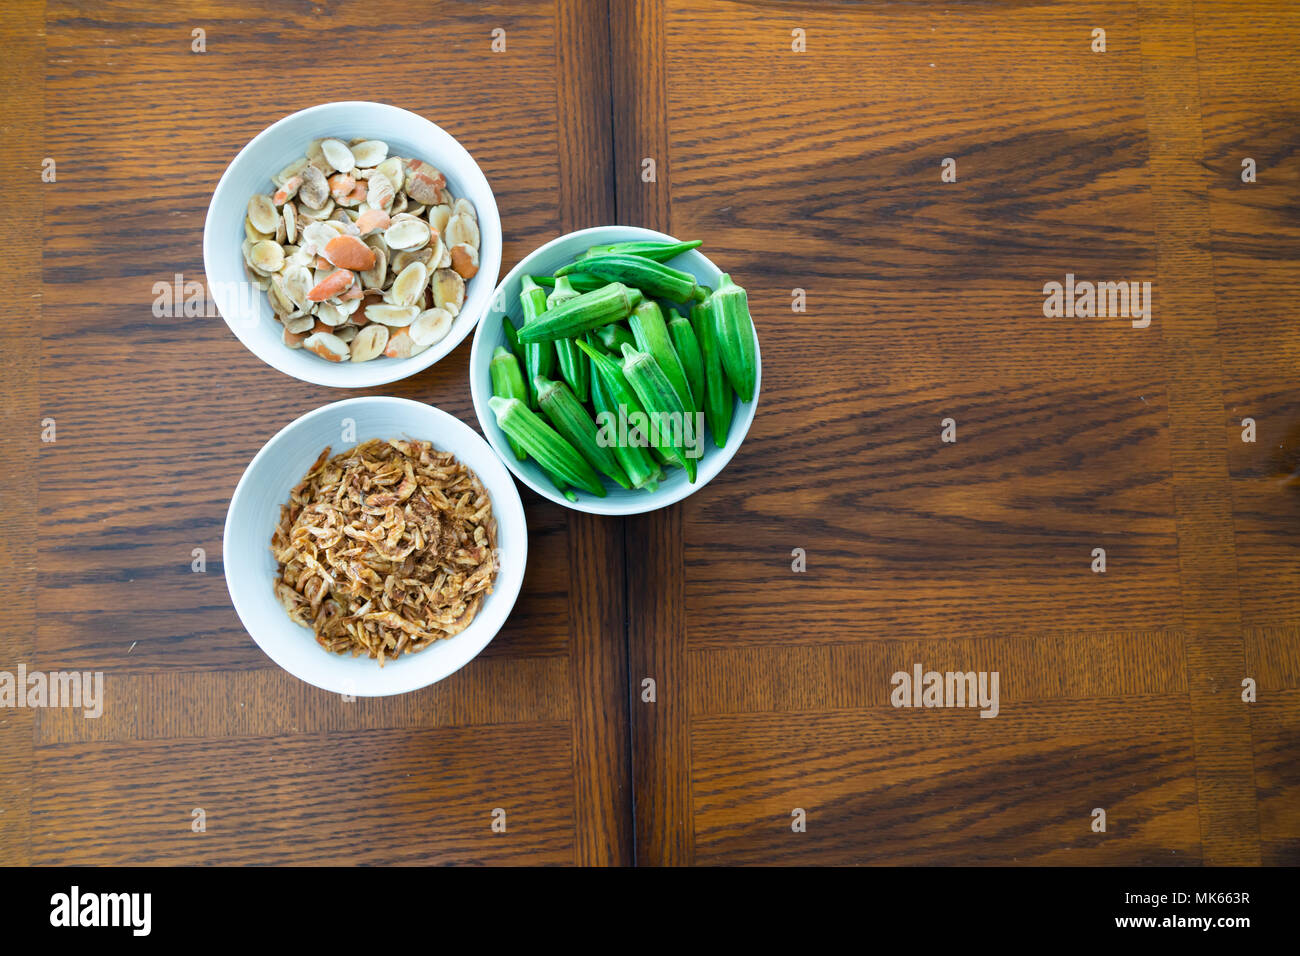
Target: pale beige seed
x: 399, y: 204
x: 327, y: 346
x: 463, y: 207
x: 369, y: 343
x: 370, y: 152
x: 441, y: 255
x: 403, y: 259
x: 315, y: 189
x: 407, y: 234
x: 262, y: 213
x: 375, y: 277
x: 308, y: 213
x: 438, y: 217
x: 392, y: 170
x: 409, y: 285
x: 303, y: 323
x: 252, y: 234
x: 281, y: 232
x: 261, y: 281
x: 280, y: 303
x: 347, y: 333
x: 394, y: 315
x: 315, y: 157
x: 293, y: 169
x: 338, y: 154
x: 290, y: 222
x: 461, y: 230
x: 430, y: 326
x: 380, y: 192
x: 448, y: 291
x: 331, y: 314
x: 315, y: 236
x: 297, y: 283
x: 400, y: 345
x: 266, y: 256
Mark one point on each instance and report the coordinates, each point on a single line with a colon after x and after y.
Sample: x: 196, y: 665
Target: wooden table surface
x: 815, y: 169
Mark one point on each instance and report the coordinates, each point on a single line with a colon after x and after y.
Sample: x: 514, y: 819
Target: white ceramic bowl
x: 255, y: 512
x: 246, y: 309
x: 618, y: 501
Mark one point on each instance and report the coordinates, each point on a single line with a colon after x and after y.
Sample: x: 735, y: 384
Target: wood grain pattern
x: 597, y: 589
x: 656, y: 633
x: 1021, y: 792
x: 814, y: 177
x: 817, y: 174
x: 151, y: 444
x: 22, y: 95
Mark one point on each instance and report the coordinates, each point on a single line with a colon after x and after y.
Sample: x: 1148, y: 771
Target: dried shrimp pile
x: 385, y: 548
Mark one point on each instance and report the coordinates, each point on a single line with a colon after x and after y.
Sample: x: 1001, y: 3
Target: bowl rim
x: 600, y: 506
x: 376, y: 373
x: 415, y: 678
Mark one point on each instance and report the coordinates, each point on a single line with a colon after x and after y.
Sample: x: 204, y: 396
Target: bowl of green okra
x: 616, y: 370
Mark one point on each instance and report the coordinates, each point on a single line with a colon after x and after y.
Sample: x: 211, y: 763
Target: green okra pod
x: 571, y: 420
x: 640, y: 467
x: 672, y: 423
x: 654, y: 249
x: 573, y: 364
x: 512, y: 339
x: 652, y: 278
x: 591, y: 310
x: 651, y: 334
x: 581, y: 281
x: 539, y: 356
x: 719, y: 399
x: 508, y: 382
x: 736, y: 340
x: 545, y: 445
x: 687, y: 347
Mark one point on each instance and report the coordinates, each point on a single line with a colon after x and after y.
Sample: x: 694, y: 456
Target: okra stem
x: 614, y: 336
